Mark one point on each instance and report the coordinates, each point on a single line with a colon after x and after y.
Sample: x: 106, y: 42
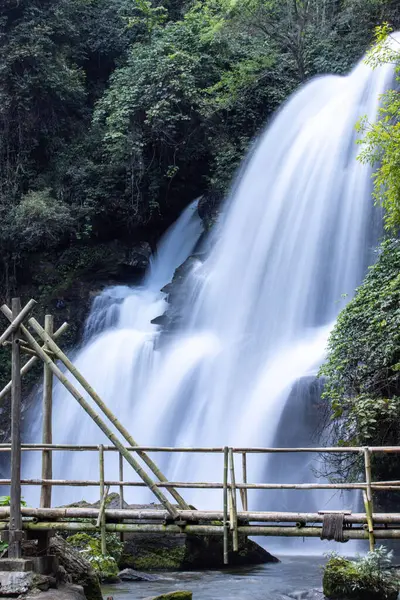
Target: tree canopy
x: 114, y: 115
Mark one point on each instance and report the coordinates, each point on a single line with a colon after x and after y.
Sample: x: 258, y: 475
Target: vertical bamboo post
x: 47, y: 457
x: 368, y: 498
x: 225, y: 496
x: 15, y: 534
x: 121, y: 488
x: 244, y: 494
x: 102, y: 501
x: 234, y: 502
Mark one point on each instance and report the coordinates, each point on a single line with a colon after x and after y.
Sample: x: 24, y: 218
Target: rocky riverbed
x: 293, y: 579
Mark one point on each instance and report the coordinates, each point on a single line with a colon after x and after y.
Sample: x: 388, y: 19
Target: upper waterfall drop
x: 297, y: 232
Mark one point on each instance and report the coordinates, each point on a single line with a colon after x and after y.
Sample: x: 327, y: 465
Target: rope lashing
x: 332, y: 527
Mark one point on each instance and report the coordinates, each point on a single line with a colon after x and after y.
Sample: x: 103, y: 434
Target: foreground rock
x: 66, y: 592
x: 77, y: 569
x: 178, y: 595
x: 345, y: 580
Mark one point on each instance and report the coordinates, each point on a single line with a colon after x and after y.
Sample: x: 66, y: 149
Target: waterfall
x: 296, y: 234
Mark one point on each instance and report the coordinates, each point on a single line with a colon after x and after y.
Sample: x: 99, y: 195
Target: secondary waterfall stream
x: 296, y: 234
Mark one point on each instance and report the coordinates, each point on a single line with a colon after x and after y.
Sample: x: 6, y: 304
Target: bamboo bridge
x: 231, y: 519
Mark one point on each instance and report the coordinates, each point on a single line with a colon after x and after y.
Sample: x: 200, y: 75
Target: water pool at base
x: 280, y: 581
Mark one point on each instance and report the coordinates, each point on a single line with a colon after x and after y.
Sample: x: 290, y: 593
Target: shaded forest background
x: 115, y: 114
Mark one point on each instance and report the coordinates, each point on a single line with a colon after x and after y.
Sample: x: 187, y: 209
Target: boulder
x: 184, y: 552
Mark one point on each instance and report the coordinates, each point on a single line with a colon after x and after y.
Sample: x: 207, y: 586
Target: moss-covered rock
x: 349, y: 580
x: 146, y: 552
x: 89, y: 545
x: 178, y: 595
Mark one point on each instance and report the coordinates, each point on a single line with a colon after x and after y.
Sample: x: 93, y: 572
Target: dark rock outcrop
x: 187, y: 552
x: 77, y: 567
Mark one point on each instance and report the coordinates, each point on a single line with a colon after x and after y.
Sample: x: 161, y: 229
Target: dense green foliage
x: 381, y: 142
x: 113, y: 115
x: 106, y: 566
x: 368, y: 578
x: 363, y: 366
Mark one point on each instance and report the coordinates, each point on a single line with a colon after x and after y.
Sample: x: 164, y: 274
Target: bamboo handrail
x: 4, y: 447
x: 247, y: 530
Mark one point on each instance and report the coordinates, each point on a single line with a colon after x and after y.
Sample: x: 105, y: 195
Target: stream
x: 294, y: 578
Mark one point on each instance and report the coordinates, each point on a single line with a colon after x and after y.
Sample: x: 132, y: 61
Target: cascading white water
x: 296, y: 234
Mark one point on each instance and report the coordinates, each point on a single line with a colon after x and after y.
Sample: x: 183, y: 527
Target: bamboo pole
x: 368, y: 498
x: 17, y: 321
x: 101, y: 519
x: 15, y: 538
x: 121, y: 478
x: 47, y: 438
x: 96, y: 418
x: 235, y: 538
x: 243, y: 492
x: 206, y: 450
x: 199, y: 485
x: 195, y: 515
x: 121, y: 489
x: 31, y: 363
x: 255, y: 530
x: 225, y: 507
x: 26, y: 350
x: 103, y: 407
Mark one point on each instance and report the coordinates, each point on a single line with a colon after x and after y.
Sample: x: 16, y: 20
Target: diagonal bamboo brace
x: 97, y: 419
x: 103, y: 407
x: 28, y: 366
x: 17, y: 321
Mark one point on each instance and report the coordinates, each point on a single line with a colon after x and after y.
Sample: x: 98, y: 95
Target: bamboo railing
x: 227, y: 521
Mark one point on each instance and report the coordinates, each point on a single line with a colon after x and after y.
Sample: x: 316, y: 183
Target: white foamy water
x: 297, y: 232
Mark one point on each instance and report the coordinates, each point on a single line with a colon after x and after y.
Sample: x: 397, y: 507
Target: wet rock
x: 209, y: 208
x: 14, y: 583
x: 137, y: 259
x: 178, y: 595
x: 176, y: 294
x: 131, y: 575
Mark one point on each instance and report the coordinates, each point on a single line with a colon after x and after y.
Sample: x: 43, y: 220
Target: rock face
x: 184, y: 552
